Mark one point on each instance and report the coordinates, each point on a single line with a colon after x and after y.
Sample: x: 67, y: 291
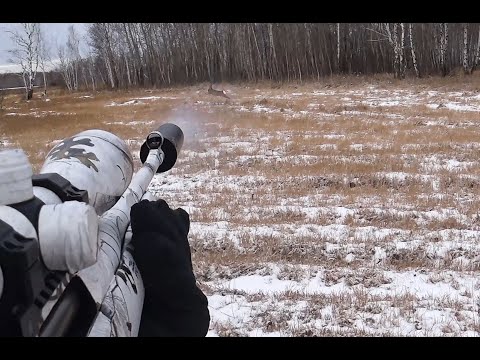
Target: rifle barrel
x: 113, y: 226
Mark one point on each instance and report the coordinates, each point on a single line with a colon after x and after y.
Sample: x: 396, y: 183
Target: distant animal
x: 221, y: 93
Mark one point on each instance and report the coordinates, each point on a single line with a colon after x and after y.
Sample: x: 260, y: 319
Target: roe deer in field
x: 221, y: 93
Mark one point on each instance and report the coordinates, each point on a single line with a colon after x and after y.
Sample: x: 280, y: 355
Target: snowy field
x: 319, y: 211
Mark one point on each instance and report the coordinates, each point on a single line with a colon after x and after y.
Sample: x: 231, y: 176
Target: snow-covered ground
x: 319, y: 211
x: 354, y: 228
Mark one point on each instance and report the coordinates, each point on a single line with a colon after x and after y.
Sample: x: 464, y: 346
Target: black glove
x: 174, y: 305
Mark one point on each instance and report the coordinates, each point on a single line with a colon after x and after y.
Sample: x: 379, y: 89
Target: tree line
x: 124, y: 55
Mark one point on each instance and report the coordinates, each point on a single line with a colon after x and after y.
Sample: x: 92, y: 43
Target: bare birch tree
x: 443, y: 48
x: 44, y: 57
x: 412, y: 51
x: 27, y: 53
x: 477, y: 52
x: 402, y: 60
x: 338, y: 45
x: 467, y: 68
x: 65, y: 67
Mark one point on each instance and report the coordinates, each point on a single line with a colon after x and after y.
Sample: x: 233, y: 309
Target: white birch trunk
x: 412, y: 49
x: 466, y: 68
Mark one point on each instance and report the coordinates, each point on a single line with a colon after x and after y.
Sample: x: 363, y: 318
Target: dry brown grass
x: 73, y: 114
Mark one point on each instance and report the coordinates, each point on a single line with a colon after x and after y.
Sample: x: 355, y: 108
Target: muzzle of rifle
x: 170, y: 138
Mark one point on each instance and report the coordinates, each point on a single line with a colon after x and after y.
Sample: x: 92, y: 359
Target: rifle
x: 66, y: 264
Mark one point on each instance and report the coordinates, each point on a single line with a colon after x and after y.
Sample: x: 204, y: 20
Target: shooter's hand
x: 174, y: 305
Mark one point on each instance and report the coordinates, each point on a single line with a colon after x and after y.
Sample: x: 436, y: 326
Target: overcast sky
x: 55, y: 33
